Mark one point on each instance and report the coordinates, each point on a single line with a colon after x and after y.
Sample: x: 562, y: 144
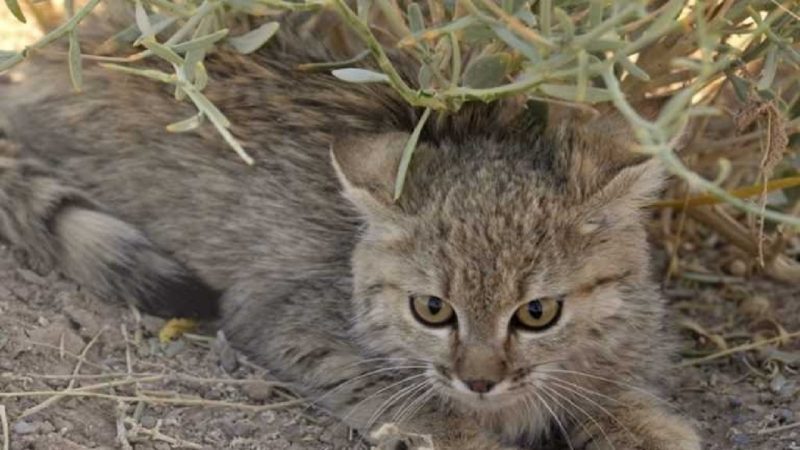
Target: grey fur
x: 315, y: 286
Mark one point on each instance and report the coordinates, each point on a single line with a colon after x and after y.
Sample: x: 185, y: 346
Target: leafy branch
x: 571, y: 52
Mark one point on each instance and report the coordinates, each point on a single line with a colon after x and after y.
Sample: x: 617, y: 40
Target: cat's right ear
x: 367, y: 169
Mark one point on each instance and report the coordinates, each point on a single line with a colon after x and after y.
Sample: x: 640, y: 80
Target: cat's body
x: 492, y: 217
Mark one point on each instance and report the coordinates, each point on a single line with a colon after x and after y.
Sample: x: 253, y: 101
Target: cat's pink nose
x: 480, y: 386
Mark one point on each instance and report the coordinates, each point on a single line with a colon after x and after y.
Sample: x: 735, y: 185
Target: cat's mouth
x: 498, y: 395
x: 502, y: 397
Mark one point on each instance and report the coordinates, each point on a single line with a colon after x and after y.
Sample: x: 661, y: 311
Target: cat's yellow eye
x: 538, y: 315
x: 432, y: 311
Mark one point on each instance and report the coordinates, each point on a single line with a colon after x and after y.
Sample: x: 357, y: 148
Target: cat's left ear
x: 634, y: 186
x: 608, y: 163
x: 367, y: 169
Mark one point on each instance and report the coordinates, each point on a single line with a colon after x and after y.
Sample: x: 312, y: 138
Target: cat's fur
x: 495, y: 213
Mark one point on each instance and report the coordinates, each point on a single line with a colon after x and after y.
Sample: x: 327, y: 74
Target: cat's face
x: 494, y: 277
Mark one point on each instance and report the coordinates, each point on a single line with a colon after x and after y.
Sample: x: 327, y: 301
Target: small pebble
x: 174, y: 347
x: 740, y: 439
x: 755, y: 306
x: 737, y: 268
x: 785, y: 415
x: 148, y: 421
x: 23, y: 427
x: 258, y: 390
x: 777, y: 383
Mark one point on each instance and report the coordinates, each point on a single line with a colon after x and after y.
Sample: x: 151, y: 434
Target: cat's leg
x: 55, y: 225
x: 638, y: 421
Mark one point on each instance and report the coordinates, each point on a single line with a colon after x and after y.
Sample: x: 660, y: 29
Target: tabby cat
x: 503, y: 302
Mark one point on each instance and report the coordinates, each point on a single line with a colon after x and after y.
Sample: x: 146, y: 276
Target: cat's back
x: 190, y: 191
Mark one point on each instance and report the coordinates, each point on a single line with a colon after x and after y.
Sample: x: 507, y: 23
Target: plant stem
x: 375, y: 48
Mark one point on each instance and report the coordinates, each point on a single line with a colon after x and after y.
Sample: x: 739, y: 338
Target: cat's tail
x: 58, y: 226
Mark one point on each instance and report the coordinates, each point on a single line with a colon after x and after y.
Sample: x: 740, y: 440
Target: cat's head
x: 504, y: 262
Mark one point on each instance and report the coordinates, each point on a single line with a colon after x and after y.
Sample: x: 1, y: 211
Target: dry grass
x: 133, y: 388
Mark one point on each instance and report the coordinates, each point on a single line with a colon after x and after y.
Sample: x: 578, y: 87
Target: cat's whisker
x: 421, y: 404
x: 349, y: 381
x: 412, y: 396
x: 553, y: 391
x: 531, y: 367
x: 546, y: 392
x: 608, y: 380
x: 378, y: 392
x: 413, y: 406
x: 404, y: 392
x: 594, y: 403
x: 586, y: 390
x: 555, y: 417
x: 528, y: 405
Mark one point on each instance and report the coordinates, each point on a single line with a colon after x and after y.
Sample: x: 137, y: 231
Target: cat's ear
x: 367, y: 169
x: 608, y: 162
x: 635, y: 185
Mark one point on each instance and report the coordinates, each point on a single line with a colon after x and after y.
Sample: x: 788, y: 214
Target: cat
x: 504, y: 301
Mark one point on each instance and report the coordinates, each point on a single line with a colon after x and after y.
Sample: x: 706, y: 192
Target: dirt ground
x: 77, y: 372
x: 52, y: 332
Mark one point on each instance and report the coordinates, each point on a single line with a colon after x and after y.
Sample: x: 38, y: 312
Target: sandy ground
x: 52, y: 332
x: 50, y: 329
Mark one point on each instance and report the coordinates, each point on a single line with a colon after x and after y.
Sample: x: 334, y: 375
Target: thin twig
x: 376, y: 49
x: 51, y: 401
x: 743, y: 192
x: 156, y: 435
x: 182, y: 401
x: 4, y: 424
x: 738, y: 349
x: 67, y: 353
x: 778, y: 429
x: 122, y: 432
x: 511, y: 22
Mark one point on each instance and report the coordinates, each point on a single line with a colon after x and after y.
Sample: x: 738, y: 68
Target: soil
x: 50, y: 329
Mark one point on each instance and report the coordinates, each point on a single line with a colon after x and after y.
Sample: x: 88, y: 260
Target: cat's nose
x: 480, y: 386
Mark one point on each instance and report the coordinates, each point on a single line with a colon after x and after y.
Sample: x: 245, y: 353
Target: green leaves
x: 255, y: 39
x: 74, y: 61
x: 13, y: 6
x: 571, y: 93
x: 162, y: 51
x: 142, y: 21
x: 408, y: 152
x: 205, y: 42
x: 182, y: 126
x: 360, y: 76
x: 579, y: 51
x: 487, y: 71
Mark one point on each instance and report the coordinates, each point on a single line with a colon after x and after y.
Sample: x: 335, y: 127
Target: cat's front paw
x: 390, y: 437
x: 664, y: 432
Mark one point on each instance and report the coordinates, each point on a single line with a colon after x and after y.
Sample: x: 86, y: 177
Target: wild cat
x: 504, y: 301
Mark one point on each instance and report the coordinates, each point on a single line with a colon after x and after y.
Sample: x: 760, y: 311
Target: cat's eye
x: 538, y: 315
x: 432, y: 311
